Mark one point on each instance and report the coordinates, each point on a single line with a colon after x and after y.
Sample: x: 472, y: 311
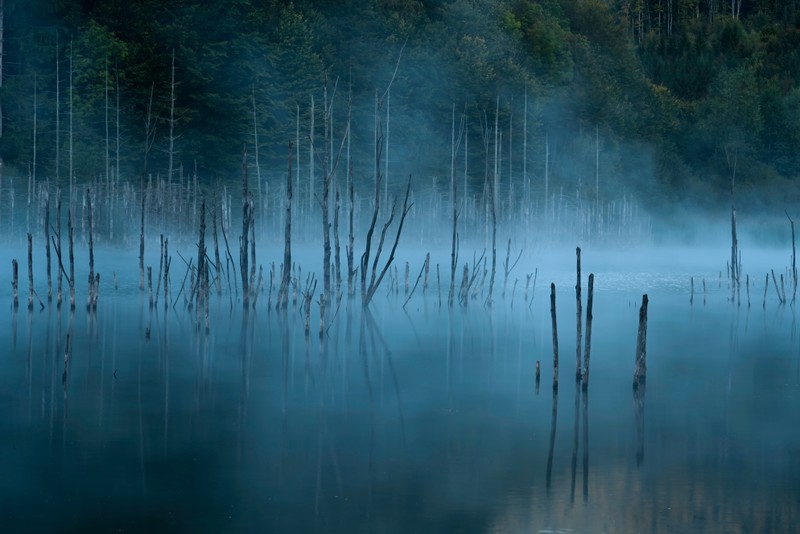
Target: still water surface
x: 417, y: 420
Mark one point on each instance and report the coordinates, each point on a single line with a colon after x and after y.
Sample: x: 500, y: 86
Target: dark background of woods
x: 675, y: 90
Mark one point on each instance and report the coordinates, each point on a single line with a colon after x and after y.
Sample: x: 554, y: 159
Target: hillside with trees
x: 665, y: 99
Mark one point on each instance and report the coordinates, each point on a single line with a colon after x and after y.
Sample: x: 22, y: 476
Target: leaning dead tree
x: 368, y: 290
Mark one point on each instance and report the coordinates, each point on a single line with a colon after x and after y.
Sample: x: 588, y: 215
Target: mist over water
x: 408, y: 416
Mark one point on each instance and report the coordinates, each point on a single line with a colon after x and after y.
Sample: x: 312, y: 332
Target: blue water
x: 418, y: 420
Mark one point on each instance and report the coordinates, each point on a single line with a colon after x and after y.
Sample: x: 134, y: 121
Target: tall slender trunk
x: 525, y: 184
x: 171, y: 151
x: 243, y: 240
x: 72, y: 191
x: 105, y: 78
x: 297, y: 157
x: 311, y: 159
x: 117, y: 153
x: 386, y: 172
x: 466, y: 161
x: 453, y: 249
x: 255, y: 150
x: 58, y: 104
x: 2, y: 41
x: 286, y: 272
x: 546, y: 174
x: 47, y: 243
x: 59, y: 275
x: 579, y: 311
x: 149, y: 131
x: 326, y: 182
x: 35, y: 136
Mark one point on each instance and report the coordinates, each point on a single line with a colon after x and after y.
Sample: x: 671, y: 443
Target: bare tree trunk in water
x: 286, y: 272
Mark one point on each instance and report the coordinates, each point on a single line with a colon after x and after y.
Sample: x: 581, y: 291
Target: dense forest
x: 666, y: 99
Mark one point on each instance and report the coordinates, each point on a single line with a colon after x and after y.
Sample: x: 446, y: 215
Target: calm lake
x: 423, y: 419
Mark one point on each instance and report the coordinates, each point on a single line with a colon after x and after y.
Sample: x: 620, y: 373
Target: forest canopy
x: 673, y: 94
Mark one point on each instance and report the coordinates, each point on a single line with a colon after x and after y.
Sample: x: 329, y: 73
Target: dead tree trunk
x: 337, y: 262
x: 47, y: 243
x: 589, y: 317
x: 734, y: 239
x: 368, y: 291
x: 324, y: 204
x: 217, y: 260
x: 243, y: 240
x: 92, y: 300
x: 59, y: 276
x: 794, y: 261
x: 150, y: 132
x: 286, y: 272
x: 15, y: 282
x: 555, y: 335
x: 579, y: 310
x: 30, y: 271
x: 201, y: 259
x: 494, y: 245
x: 167, y: 261
x: 330, y: 162
x: 71, y: 235
x: 640, y: 373
x: 351, y: 269
x: 454, y: 146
